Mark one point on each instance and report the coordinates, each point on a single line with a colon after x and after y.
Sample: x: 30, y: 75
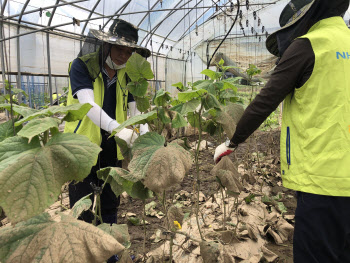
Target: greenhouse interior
x: 191, y: 179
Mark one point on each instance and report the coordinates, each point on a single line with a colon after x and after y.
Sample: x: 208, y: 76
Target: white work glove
x: 223, y: 150
x: 128, y: 135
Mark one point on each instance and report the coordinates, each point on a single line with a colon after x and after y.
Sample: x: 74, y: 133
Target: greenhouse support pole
x: 49, y: 66
x: 19, y: 80
x: 2, y: 58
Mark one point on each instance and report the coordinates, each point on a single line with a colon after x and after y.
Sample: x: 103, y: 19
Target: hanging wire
x: 222, y: 41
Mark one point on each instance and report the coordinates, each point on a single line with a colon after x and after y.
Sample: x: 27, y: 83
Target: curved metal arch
x: 22, y: 11
x: 53, y: 13
x: 157, y: 2
x: 178, y: 24
x: 3, y: 7
x: 121, y: 9
x: 152, y: 32
x: 92, y: 11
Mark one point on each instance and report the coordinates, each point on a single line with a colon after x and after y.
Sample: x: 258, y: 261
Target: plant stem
x: 223, y: 203
x: 197, y: 168
x: 46, y: 137
x: 171, y: 249
x: 144, y: 227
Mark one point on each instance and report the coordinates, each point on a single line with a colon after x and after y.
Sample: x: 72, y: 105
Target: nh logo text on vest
x: 344, y: 55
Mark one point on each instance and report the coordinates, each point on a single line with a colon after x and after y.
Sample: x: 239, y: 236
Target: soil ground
x: 268, y: 148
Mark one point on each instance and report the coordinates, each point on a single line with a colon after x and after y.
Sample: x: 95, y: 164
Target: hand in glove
x: 128, y: 135
x: 224, y: 149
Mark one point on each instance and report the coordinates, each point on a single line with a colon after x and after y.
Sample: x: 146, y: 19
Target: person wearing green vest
x: 98, y: 77
x: 312, y: 76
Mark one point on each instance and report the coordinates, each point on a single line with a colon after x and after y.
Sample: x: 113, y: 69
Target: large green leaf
x: 178, y: 121
x: 212, y: 74
x: 21, y: 110
x: 158, y: 166
x: 186, y: 107
x: 179, y: 85
x: 138, y: 88
x: 229, y: 116
x: 119, y: 232
x: 161, y: 98
x: 138, y: 119
x: 142, y: 104
x: 203, y: 84
x: 72, y: 112
x: 82, y: 205
x: 138, y: 67
x: 40, y: 239
x: 13, y: 146
x: 6, y: 130
x: 229, y: 85
x: 38, y: 126
x: 190, y: 94
x: 125, y: 150
x: 31, y: 177
x: 227, y: 94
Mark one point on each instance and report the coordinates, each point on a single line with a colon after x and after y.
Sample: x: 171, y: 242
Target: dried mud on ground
x: 267, y: 175
x: 271, y: 240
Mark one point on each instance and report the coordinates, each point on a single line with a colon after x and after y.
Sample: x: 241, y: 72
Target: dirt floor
x: 268, y: 149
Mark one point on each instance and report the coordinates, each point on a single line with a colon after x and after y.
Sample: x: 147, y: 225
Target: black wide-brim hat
x: 291, y: 14
x: 122, y: 33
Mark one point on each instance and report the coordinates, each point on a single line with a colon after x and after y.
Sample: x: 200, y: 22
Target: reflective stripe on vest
x: 315, y: 135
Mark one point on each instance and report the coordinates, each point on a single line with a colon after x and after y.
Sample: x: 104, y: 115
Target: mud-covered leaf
x: 31, y: 175
x: 228, y: 180
x: 210, y: 251
x: 82, y: 205
x: 119, y: 232
x: 42, y: 240
x: 229, y: 116
x: 190, y: 94
x: 72, y: 112
x: 225, y: 164
x: 178, y: 121
x: 21, y: 110
x: 142, y: 104
x: 38, y: 126
x: 159, y: 167
x: 6, y: 130
x: 138, y: 119
x: 175, y: 214
x: 186, y: 107
x: 138, y: 67
x: 161, y: 97
x: 138, y: 88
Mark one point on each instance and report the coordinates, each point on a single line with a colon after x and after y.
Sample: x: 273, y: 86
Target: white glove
x: 221, y: 151
x: 128, y: 135
x: 134, y: 112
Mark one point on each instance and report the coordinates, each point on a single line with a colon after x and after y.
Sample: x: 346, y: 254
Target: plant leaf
x: 114, y: 176
x: 163, y: 116
x: 73, y: 112
x: 119, y: 232
x: 179, y: 85
x: 138, y: 67
x: 6, y: 130
x: 138, y: 88
x: 138, y: 119
x: 21, y: 110
x: 210, y: 102
x: 38, y: 126
x: 161, y: 98
x: 42, y: 240
x: 229, y: 116
x: 32, y: 175
x: 125, y: 150
x: 142, y: 104
x: 82, y: 205
x: 190, y: 94
x: 212, y: 74
x: 178, y: 121
x: 186, y: 107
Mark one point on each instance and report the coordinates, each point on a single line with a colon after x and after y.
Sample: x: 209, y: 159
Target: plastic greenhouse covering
x: 39, y: 38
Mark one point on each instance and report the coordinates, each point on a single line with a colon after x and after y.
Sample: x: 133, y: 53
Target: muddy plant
x: 35, y: 161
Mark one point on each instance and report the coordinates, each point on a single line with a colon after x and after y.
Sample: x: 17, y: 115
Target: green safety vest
x: 315, y: 135
x: 86, y: 126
